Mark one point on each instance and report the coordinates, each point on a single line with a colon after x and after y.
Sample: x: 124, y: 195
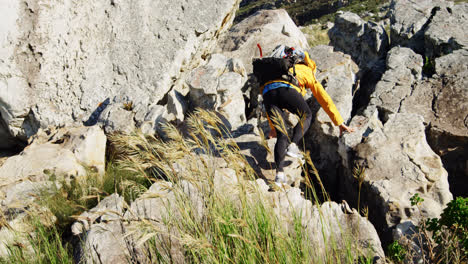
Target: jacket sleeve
x: 320, y: 94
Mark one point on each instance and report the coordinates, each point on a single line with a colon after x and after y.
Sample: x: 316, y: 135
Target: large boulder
x: 395, y: 162
x: 53, y: 157
x: 447, y: 31
x: 441, y: 101
x: 404, y: 69
x: 366, y: 42
x: 410, y: 19
x: 217, y: 85
x: 150, y: 216
x: 60, y: 61
x: 271, y: 27
x: 337, y: 73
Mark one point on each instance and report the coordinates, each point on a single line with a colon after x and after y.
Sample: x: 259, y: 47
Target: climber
x: 279, y: 94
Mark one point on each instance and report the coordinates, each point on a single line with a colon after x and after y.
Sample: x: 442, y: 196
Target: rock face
x: 59, y: 62
x: 115, y: 240
x: 262, y: 159
x: 446, y: 33
x: 441, y: 101
x: 54, y: 157
x: 365, y: 42
x: 404, y: 69
x: 337, y: 73
x: 401, y: 142
x: 430, y: 27
x: 409, y: 20
x: 217, y: 85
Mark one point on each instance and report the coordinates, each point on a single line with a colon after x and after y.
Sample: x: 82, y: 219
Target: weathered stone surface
x: 260, y: 156
x: 337, y: 73
x: 404, y: 69
x: 447, y: 31
x: 455, y: 63
x: 118, y: 238
x: 409, y: 21
x: 54, y: 155
x: 109, y: 209
x: 441, y: 101
x: 365, y: 42
x: 271, y: 27
x: 218, y: 86
x: 38, y: 163
x: 397, y: 163
x: 60, y: 61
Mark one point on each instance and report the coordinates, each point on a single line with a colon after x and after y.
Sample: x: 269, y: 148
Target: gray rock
x: 109, y: 209
x: 440, y: 100
x: 271, y: 27
x: 38, y: 163
x: 455, y: 63
x: 404, y: 69
x: 88, y: 144
x: 54, y: 155
x: 337, y: 73
x: 176, y: 105
x: 409, y: 21
x: 217, y: 85
x: 260, y: 156
x: 365, y: 42
x: 397, y: 163
x: 447, y: 31
x: 17, y: 229
x: 116, y: 240
x: 58, y: 62
x: 231, y: 100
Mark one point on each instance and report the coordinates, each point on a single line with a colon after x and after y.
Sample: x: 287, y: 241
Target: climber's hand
x: 272, y: 134
x: 345, y: 128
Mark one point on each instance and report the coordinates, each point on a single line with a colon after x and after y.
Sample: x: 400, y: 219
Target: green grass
x: 316, y: 35
x: 306, y: 12
x: 45, y: 244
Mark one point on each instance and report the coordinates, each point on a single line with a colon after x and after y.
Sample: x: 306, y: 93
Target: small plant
x: 429, y: 66
x: 396, y: 252
x: 359, y: 175
x: 128, y: 106
x: 416, y: 200
x: 436, y: 240
x: 450, y: 232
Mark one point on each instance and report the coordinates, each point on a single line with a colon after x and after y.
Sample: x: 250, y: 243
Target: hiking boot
x: 293, y: 151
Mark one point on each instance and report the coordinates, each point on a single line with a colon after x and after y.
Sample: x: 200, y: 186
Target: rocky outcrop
x: 217, y: 85
x: 446, y: 32
x: 271, y: 27
x: 404, y: 69
x: 260, y: 156
x: 430, y: 27
x: 337, y: 73
x: 410, y: 19
x: 366, y: 42
x: 55, y: 157
x: 115, y: 240
x: 415, y: 168
x: 440, y: 100
x: 60, y: 62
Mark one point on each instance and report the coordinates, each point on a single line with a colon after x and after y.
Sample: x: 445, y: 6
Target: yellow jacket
x: 305, y: 74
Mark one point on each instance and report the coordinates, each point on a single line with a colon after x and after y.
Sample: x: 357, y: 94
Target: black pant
x: 287, y: 98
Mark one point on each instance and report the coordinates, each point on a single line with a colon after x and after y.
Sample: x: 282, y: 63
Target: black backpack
x: 274, y: 68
